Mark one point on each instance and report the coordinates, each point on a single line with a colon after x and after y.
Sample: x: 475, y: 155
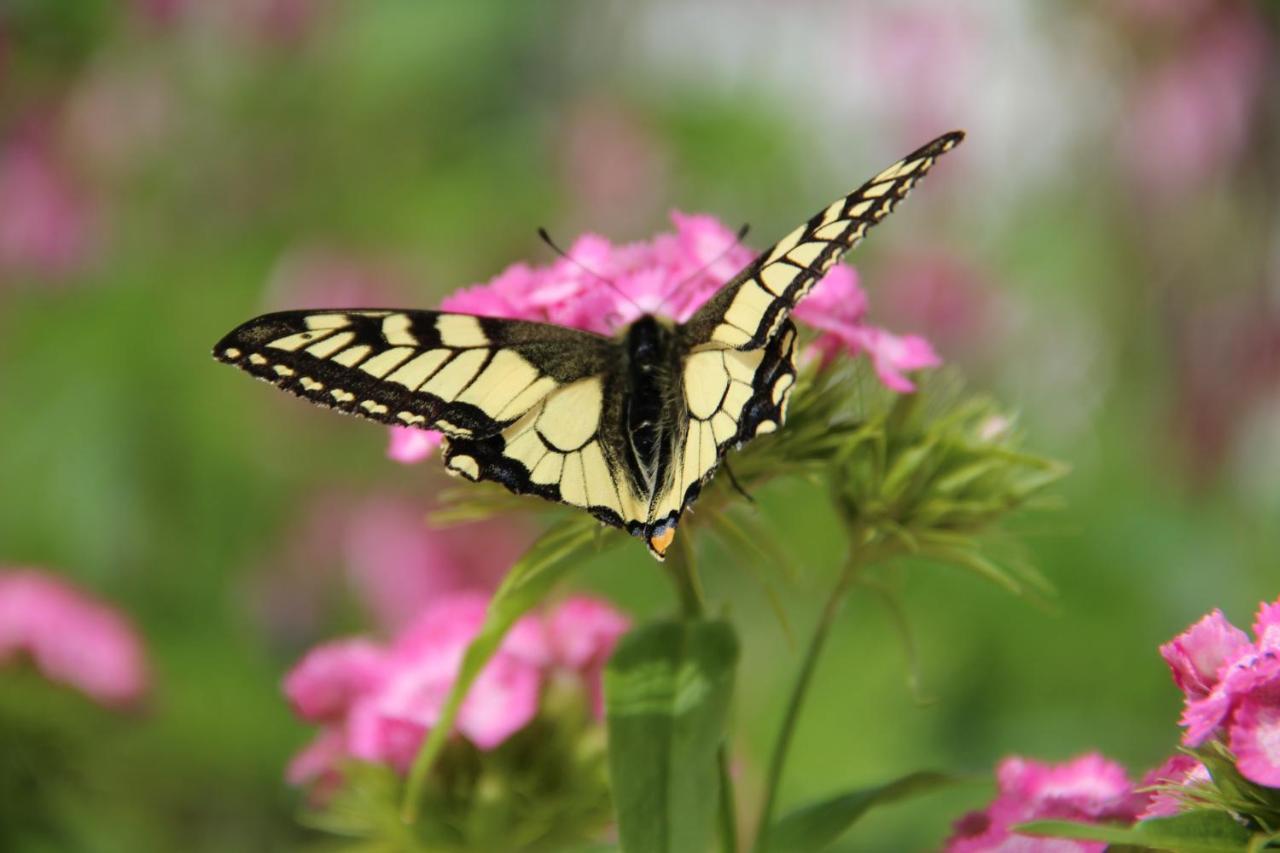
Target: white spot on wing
x: 327, y: 321
x: 778, y: 277
x: 454, y: 376
x: 417, y: 370
x: 749, y: 304
x: 526, y: 399
x: 353, y: 356
x: 395, y: 328
x: 460, y: 330
x: 330, y: 345
x: 572, y: 488
x: 705, y: 380
x: 548, y: 470
x: 502, y: 381
x: 465, y: 465
x: 386, y: 361
x: 571, y: 415
x: 600, y: 488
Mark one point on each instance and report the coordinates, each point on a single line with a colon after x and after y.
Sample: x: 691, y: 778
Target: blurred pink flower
x: 323, y: 277
x: 614, y: 164
x: 673, y: 275
x: 399, y: 563
x: 1089, y: 788
x: 1193, y: 114
x: 272, y: 22
x: 1180, y: 772
x: 324, y: 684
x: 837, y: 306
x: 376, y: 703
x: 409, y: 445
x: 46, y: 226
x: 384, y: 550
x: 71, y: 638
x: 1243, y: 699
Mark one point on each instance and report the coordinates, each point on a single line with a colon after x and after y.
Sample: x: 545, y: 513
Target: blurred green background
x: 1103, y: 255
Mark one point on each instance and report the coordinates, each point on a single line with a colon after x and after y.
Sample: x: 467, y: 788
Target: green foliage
x: 816, y: 826
x: 667, y: 690
x: 543, y: 789
x: 1190, y: 832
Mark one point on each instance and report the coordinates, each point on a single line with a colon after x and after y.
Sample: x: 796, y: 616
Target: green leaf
x: 528, y: 582
x: 1201, y: 831
x: 815, y: 826
x: 667, y: 694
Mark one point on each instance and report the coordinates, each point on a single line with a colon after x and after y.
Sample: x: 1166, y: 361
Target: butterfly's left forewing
x: 531, y: 406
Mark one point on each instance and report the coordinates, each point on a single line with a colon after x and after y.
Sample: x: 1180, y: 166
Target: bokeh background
x: 1103, y: 255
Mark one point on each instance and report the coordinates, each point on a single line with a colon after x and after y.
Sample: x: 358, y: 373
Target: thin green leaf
x: 814, y: 827
x: 667, y: 692
x: 1201, y: 831
x: 526, y: 584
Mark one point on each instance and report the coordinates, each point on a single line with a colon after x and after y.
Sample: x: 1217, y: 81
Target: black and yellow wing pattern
x: 629, y: 429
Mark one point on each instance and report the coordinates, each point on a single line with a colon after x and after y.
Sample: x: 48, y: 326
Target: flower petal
x: 1197, y: 654
x: 324, y: 684
x: 1255, y: 739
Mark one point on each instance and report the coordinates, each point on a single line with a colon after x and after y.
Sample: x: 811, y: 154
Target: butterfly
x: 628, y: 428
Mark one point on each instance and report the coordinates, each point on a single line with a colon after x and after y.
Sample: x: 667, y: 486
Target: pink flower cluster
x: 1088, y: 789
x: 1232, y: 688
x: 672, y: 275
x: 376, y: 702
x: 71, y: 638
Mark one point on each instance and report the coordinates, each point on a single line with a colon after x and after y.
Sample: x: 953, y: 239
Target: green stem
x: 684, y: 575
x: 858, y: 556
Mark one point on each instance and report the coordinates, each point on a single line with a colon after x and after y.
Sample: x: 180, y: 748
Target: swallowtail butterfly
x: 629, y: 428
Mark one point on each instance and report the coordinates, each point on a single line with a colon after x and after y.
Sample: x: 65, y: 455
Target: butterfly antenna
x: 546, y: 238
x: 737, y: 239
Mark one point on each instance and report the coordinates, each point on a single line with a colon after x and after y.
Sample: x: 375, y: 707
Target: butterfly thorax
x: 652, y: 361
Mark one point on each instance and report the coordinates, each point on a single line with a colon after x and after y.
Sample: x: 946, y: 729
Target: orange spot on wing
x: 661, y: 542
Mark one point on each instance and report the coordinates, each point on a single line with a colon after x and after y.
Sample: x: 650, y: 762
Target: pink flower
x: 72, y: 638
x: 582, y: 632
x: 1179, y: 773
x: 376, y: 703
x: 46, y: 227
x: 399, y: 563
x: 409, y: 445
x: 385, y: 551
x: 328, y: 680
x: 1243, y: 699
x: 606, y: 287
x: 1089, y: 789
x: 1194, y: 113
x: 837, y: 306
x: 1196, y: 655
